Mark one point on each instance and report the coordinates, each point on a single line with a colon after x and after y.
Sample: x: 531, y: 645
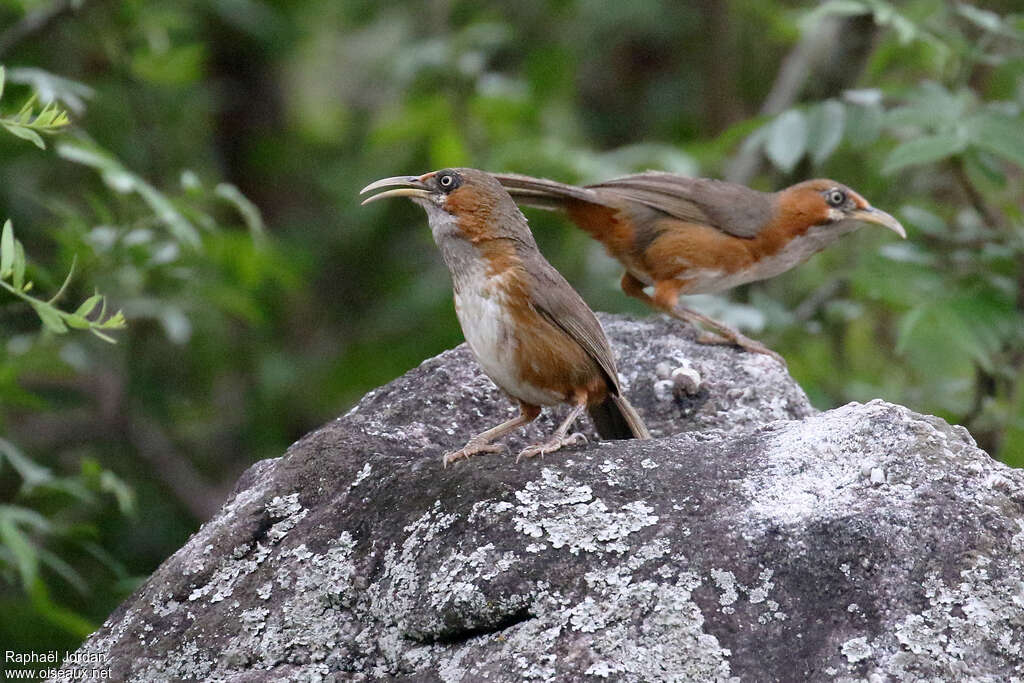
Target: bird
x: 682, y: 235
x: 532, y: 334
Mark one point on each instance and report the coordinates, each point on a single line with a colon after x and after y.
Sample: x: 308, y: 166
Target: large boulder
x: 756, y: 539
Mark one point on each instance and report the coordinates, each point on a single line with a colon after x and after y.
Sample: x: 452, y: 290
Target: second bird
x: 699, y: 236
x: 531, y: 332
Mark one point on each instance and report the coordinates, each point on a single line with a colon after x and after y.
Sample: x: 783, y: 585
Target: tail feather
x: 542, y: 193
x: 616, y: 418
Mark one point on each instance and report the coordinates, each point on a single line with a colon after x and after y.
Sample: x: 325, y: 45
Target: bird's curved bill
x: 405, y: 186
x: 873, y: 215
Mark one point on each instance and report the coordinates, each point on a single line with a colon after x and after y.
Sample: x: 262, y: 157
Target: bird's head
x: 462, y: 202
x: 830, y: 204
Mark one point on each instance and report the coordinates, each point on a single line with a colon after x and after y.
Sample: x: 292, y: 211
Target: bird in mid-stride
x: 684, y: 235
x: 529, y: 329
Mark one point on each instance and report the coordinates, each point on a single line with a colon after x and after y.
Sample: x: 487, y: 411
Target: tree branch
x: 988, y: 214
x: 835, y: 51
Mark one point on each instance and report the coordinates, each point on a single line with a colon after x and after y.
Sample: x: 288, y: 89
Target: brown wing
x: 735, y: 209
x: 559, y: 304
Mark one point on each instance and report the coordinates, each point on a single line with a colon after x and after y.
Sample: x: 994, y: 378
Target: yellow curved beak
x: 873, y: 215
x: 405, y: 186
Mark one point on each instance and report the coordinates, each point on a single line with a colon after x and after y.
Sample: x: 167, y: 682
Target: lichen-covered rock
x: 756, y: 540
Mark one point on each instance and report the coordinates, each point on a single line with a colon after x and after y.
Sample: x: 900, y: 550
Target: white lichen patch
x: 288, y: 511
x: 361, y: 475
x: 759, y: 594
x: 966, y: 623
x: 456, y: 583
x: 856, y: 649
x: 822, y: 470
x: 284, y: 506
x: 253, y: 620
x: 726, y: 582
x: 566, y: 514
x: 616, y: 472
x: 221, y: 583
x: 670, y: 646
x: 488, y: 510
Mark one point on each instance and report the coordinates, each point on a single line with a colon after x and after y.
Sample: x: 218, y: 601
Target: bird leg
x: 560, y: 437
x: 481, y: 443
x: 666, y: 299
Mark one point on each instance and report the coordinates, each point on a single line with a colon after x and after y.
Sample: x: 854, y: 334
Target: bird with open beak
x: 683, y: 235
x: 531, y: 332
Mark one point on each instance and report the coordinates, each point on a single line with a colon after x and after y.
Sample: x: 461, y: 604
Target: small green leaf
x: 906, y: 327
x: 825, y: 124
x: 31, y: 474
x: 3, y: 77
x: 837, y: 8
x: 17, y: 543
x: 76, y: 321
x: 787, y: 139
x: 6, y: 250
x: 18, y: 279
x: 864, y: 123
x: 88, y: 305
x: 114, y: 322
x: 125, y: 496
x: 24, y: 133
x: 988, y: 20
x: 104, y: 337
x: 52, y: 561
x: 67, y: 281
x: 998, y: 134
x: 923, y: 150
x: 50, y: 316
x: 249, y: 211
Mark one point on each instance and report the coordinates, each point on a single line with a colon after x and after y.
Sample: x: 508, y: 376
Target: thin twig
x: 834, y: 40
x: 992, y: 218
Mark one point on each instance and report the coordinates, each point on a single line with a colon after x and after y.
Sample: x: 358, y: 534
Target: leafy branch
x: 12, y: 278
x: 27, y: 124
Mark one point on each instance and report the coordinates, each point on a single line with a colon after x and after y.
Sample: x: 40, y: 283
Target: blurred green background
x: 207, y: 185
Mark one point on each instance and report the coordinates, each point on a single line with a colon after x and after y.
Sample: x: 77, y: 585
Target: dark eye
x: 446, y: 181
x: 835, y: 197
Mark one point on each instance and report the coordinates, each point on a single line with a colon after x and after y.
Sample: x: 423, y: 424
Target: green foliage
x: 42, y: 528
x: 28, y: 124
x: 12, y: 278
x: 959, y: 306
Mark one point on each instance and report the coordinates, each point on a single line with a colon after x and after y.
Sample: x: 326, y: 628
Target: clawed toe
x: 552, y: 445
x: 704, y: 337
x: 757, y: 347
x: 469, y: 451
x: 743, y: 342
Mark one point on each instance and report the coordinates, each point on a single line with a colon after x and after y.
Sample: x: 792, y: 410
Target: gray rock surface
x: 755, y: 540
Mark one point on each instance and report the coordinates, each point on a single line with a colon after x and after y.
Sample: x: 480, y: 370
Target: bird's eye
x: 835, y: 197
x: 446, y: 181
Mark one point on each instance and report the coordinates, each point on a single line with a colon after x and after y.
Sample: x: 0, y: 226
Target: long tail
x: 542, y: 193
x: 616, y: 418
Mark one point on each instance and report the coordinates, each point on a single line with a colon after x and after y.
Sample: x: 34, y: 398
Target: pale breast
x: 489, y: 331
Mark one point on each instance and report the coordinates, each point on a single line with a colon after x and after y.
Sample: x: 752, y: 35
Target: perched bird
x: 529, y: 329
x: 684, y: 235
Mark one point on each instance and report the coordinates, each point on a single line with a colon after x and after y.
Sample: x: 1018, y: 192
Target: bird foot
x: 469, y: 450
x: 740, y: 340
x: 551, y: 445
